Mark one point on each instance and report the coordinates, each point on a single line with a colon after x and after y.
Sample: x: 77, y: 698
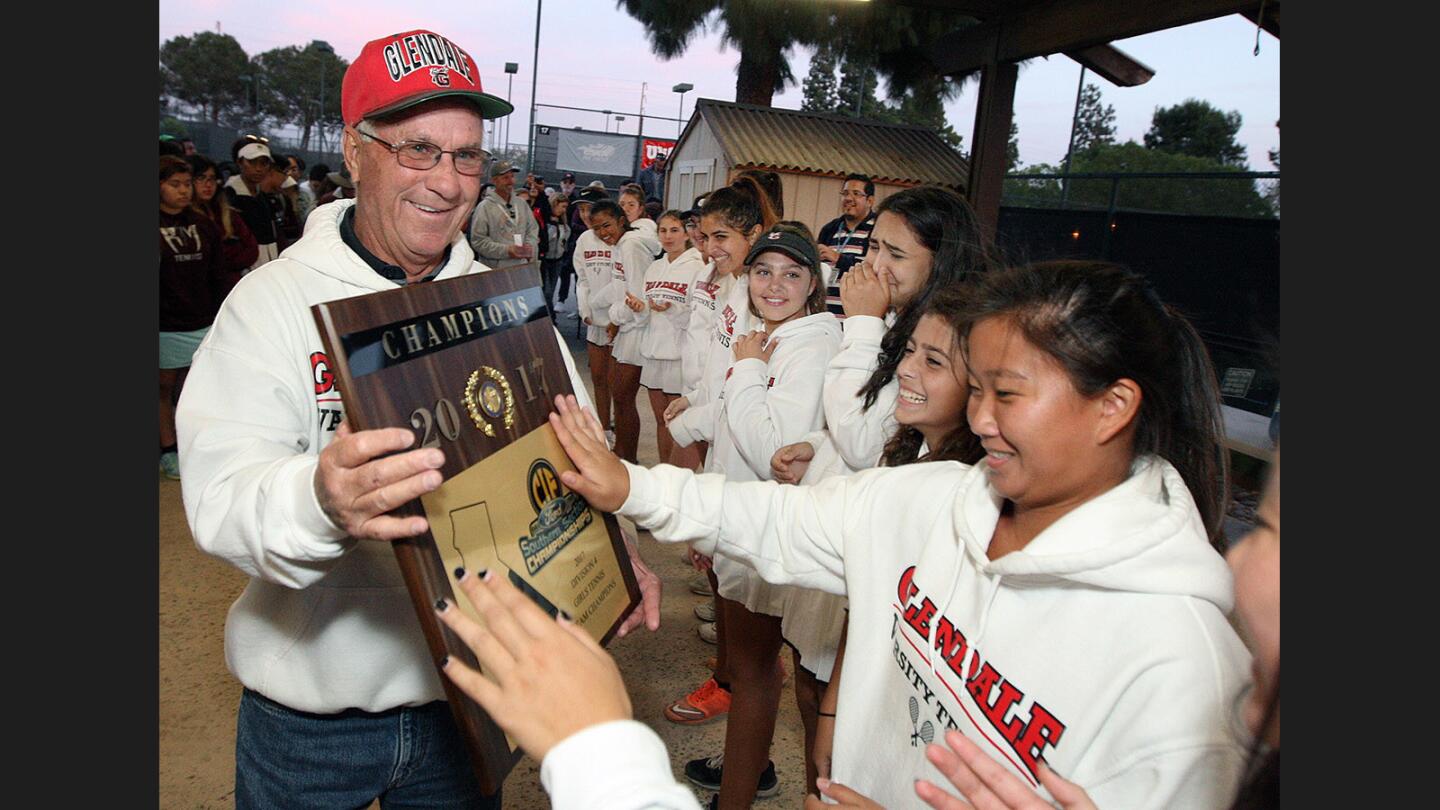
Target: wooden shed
x: 812, y: 152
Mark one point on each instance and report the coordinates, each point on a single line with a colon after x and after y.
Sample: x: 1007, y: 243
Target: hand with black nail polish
x: 545, y: 679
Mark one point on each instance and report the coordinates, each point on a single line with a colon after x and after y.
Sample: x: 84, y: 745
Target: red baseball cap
x: 399, y: 71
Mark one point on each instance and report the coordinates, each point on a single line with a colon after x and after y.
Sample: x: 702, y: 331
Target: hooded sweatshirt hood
x: 1143, y: 536
x: 821, y: 324
x: 324, y: 251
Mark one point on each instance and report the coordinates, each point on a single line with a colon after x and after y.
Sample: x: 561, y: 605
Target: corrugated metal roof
x: 794, y: 140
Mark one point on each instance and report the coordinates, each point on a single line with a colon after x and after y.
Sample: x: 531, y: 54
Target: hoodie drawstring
x: 994, y: 582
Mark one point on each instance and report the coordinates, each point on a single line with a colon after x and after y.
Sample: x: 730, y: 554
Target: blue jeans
x: 406, y: 757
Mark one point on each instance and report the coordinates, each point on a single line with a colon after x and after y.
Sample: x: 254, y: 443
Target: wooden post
x: 992, y: 134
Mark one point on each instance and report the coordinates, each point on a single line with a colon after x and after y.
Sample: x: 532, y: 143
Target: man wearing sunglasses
x: 342, y: 703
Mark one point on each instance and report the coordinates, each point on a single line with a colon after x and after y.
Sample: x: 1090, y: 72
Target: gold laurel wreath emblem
x: 488, y: 394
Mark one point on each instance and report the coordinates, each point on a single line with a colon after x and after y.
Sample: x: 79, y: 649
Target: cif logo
x: 544, y: 484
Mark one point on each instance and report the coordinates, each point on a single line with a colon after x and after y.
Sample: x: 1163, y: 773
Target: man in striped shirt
x: 844, y: 240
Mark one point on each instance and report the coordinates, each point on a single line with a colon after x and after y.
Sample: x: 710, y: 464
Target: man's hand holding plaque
x: 357, y: 481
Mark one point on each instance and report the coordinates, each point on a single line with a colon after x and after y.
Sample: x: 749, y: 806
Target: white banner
x: 596, y: 154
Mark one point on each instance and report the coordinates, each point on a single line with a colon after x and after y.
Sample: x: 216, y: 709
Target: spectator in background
x: 193, y: 281
x: 287, y: 214
x: 553, y: 268
x: 316, y: 186
x: 188, y: 146
x: 846, y: 239
x: 237, y: 243
x: 341, y: 186
x: 170, y: 146
x: 567, y: 186
x: 503, y: 233
x: 260, y: 209
x: 653, y: 210
x: 304, y: 199
x: 652, y: 178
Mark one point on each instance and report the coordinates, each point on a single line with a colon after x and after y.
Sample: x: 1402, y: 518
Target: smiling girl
x: 594, y: 261
x: 925, y: 239
x: 633, y: 253
x: 1060, y: 601
x: 667, y: 296
x: 930, y: 412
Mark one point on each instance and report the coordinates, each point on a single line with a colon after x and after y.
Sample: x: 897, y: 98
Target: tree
x: 1094, y: 122
x: 1194, y: 127
x: 1273, y: 192
x: 1012, y: 148
x: 204, y: 71
x: 1238, y: 197
x: 294, y: 79
x: 764, y: 31
x: 821, y: 92
x: 858, y: 82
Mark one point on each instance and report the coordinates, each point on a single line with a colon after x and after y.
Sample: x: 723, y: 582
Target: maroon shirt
x: 193, y: 276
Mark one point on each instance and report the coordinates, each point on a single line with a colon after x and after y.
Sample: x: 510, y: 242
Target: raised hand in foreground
x: 545, y: 680
x: 987, y: 784
x: 599, y: 476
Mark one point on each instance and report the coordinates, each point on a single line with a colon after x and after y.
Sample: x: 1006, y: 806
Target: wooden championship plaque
x: 472, y: 366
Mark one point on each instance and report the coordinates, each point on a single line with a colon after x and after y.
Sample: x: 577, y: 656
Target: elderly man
x: 503, y: 230
x: 342, y: 703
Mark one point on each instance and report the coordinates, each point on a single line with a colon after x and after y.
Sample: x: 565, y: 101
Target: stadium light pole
x: 534, y: 76
x: 682, y: 88
x: 511, y: 68
x: 324, y: 48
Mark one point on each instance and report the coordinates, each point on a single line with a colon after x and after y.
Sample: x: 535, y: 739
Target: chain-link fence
x: 1231, y: 194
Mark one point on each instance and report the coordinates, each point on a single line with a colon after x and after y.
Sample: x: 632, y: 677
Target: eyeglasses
x: 424, y: 155
x: 207, y: 178
x: 853, y: 194
x: 256, y: 138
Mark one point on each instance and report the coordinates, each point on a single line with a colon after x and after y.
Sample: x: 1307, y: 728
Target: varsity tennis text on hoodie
x: 1102, y: 647
x: 670, y: 281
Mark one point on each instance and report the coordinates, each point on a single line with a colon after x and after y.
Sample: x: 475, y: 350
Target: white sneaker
x: 707, y: 633
x: 705, y: 611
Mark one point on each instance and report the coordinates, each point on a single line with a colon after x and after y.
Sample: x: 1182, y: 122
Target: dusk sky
x: 594, y: 55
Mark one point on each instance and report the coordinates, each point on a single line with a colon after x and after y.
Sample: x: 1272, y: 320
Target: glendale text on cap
x: 399, y: 71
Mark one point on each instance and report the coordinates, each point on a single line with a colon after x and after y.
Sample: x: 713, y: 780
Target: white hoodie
x: 594, y: 266
x: 632, y: 255
x: 697, y: 422
x: 670, y: 281
x: 701, y: 302
x: 1102, y: 647
x: 764, y: 407
x: 326, y: 622
x: 858, y: 432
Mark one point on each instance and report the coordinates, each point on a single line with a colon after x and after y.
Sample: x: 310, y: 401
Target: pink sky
x: 594, y: 55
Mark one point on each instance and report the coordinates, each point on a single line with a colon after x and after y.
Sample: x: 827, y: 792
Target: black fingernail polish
x: 459, y: 572
x: 445, y: 662
x: 566, y: 616
x: 441, y: 604
x: 484, y: 574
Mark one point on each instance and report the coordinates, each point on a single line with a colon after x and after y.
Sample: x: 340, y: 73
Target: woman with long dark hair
x: 193, y: 282
x: 924, y: 239
x: 237, y: 243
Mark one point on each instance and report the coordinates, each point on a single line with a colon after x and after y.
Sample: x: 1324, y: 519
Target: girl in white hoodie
x: 667, y: 296
x: 1061, y: 601
x: 925, y: 239
x: 631, y: 254
x: 770, y: 396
